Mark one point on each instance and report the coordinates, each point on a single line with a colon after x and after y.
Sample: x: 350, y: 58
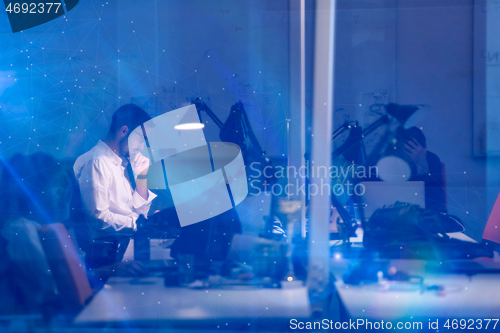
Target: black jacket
x: 435, y: 194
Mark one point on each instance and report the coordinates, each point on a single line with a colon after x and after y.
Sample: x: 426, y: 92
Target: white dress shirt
x: 107, y: 194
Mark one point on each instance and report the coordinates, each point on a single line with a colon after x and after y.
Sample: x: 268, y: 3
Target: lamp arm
x: 250, y: 132
x: 373, y: 126
x: 342, y: 128
x: 200, y: 106
x: 350, y: 223
x: 212, y: 115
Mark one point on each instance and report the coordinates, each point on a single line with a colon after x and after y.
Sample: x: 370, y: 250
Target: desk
x: 463, y: 297
x: 144, y: 301
x: 359, y: 237
x: 147, y: 300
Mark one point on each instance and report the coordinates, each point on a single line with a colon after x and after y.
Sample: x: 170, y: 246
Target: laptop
x: 378, y: 194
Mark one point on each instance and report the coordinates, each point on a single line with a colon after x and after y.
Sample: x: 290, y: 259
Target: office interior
x: 369, y: 133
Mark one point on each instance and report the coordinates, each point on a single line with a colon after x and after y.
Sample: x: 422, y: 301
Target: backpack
x: 405, y: 230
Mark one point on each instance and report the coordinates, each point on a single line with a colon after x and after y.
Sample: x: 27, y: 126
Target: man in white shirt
x: 112, y: 199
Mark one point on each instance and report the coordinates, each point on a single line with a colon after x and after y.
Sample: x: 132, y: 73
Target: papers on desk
x: 461, y: 236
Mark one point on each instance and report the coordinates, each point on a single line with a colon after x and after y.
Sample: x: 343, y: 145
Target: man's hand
x: 418, y: 155
x: 140, y: 164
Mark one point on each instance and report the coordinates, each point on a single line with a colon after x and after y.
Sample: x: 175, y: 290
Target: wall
x: 61, y: 82
x: 435, y: 67
x: 365, y: 61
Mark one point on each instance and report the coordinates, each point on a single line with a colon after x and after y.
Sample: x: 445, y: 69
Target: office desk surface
x: 359, y: 237
x: 461, y: 296
x: 147, y: 300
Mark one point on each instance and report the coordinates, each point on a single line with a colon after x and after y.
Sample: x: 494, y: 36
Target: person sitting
x: 112, y: 199
x: 425, y: 166
x: 37, y: 191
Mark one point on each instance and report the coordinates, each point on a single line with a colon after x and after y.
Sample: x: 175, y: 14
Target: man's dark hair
x: 415, y: 134
x: 129, y: 115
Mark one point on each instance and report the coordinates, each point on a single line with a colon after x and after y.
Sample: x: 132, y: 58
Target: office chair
x: 66, y: 266
x: 492, y: 230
